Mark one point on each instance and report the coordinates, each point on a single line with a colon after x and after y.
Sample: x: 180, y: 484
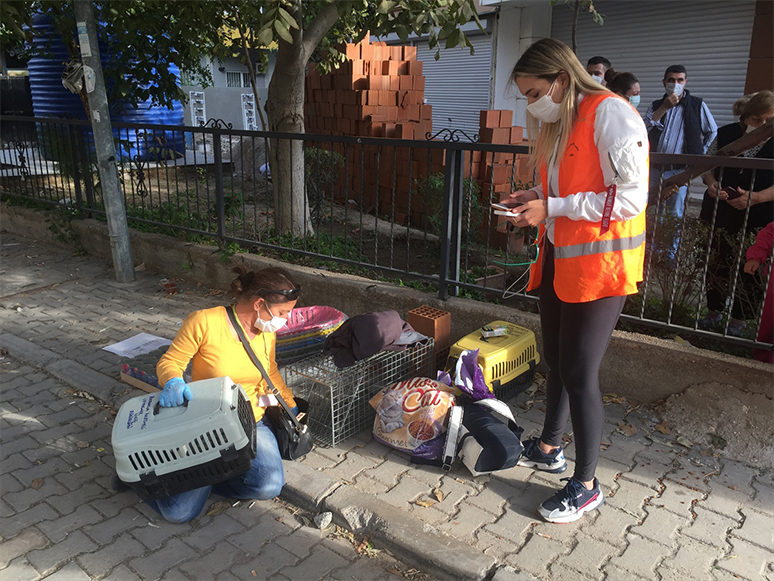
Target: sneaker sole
x: 563, y: 520
x: 551, y: 469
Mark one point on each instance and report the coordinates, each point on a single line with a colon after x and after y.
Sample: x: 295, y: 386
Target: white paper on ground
x: 138, y: 345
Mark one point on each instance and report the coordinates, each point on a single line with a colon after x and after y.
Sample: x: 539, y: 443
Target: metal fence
x: 415, y: 212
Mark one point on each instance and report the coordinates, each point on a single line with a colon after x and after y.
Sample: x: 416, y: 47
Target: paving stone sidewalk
x: 671, y: 512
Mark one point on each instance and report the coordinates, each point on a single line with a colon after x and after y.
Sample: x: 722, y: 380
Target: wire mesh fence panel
x: 338, y: 398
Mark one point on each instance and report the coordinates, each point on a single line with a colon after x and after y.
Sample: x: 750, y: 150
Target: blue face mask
x: 634, y: 100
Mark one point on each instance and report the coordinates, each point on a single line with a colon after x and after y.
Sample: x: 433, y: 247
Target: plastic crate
x: 165, y: 451
x: 338, y: 398
x: 508, y: 361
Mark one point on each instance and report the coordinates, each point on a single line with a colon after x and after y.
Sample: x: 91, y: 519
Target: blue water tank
x: 51, y: 99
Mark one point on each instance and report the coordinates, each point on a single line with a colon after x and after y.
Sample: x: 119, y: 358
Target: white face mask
x: 750, y: 128
x: 545, y: 109
x: 634, y: 100
x: 675, y: 88
x: 272, y: 326
x: 598, y: 79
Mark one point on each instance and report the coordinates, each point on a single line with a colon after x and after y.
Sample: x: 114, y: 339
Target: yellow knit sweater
x: 205, y: 339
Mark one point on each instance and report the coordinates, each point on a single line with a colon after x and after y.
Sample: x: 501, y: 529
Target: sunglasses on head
x: 290, y: 294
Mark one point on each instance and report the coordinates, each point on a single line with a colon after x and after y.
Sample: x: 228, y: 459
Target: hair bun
x: 610, y: 75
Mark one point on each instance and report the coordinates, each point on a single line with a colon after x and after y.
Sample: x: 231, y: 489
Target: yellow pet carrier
x: 508, y: 360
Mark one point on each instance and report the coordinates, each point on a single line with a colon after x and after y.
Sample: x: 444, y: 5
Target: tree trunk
x: 575, y: 25
x: 285, y: 109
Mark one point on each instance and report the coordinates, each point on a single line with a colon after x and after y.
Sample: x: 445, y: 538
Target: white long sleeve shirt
x: 619, y: 132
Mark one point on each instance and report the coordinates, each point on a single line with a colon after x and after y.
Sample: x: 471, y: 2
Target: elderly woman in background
x: 731, y: 198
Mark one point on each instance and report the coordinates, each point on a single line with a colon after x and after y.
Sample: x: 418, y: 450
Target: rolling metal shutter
x: 458, y: 84
x: 711, y: 39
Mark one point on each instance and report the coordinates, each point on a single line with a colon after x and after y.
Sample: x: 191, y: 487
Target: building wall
x: 710, y: 38
x: 224, y: 102
x: 760, y: 68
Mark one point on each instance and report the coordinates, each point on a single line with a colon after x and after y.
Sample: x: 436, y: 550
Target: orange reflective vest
x: 589, y: 265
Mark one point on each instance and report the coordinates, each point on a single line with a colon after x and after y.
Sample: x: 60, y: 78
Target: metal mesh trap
x: 338, y: 398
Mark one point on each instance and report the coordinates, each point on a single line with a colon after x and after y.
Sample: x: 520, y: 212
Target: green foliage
x: 472, y: 210
x: 59, y: 222
x: 322, y: 169
x: 675, y: 277
x: 201, y: 174
x: 440, y: 20
x: 233, y: 204
x: 677, y: 274
x: 171, y: 213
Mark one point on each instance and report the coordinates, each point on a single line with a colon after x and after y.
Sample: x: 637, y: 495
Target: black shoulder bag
x: 293, y: 437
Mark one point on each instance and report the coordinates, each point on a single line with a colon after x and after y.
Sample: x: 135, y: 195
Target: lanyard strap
x: 246, y: 344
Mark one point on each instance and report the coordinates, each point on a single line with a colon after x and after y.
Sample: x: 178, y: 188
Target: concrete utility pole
x: 118, y: 230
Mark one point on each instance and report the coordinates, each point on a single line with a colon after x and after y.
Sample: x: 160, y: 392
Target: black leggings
x: 575, y: 338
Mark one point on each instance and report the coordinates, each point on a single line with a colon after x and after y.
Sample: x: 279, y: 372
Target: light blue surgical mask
x: 634, y: 100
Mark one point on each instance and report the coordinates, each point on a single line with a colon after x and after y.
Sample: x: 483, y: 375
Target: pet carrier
x: 508, y: 361
x: 338, y: 398
x: 162, y: 451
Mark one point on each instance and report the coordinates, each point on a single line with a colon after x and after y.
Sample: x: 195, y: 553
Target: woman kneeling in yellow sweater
x: 208, y: 340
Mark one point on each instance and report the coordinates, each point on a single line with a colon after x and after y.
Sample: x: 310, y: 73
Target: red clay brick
x: 352, y: 51
x: 487, y: 120
x: 495, y: 134
x: 414, y: 67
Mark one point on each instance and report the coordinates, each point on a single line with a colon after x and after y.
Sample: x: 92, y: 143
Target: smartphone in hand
x: 507, y: 204
x: 732, y: 192
x: 504, y: 209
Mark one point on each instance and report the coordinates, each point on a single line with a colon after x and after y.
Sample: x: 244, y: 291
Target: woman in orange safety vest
x: 592, y: 154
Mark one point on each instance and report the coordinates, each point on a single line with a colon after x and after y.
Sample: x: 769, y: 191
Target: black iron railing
x: 416, y: 211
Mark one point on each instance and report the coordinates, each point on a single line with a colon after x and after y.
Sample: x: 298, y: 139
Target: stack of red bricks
x: 377, y: 92
x: 495, y: 171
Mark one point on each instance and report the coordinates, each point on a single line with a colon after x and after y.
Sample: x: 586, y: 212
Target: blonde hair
x: 759, y: 104
x: 546, y: 59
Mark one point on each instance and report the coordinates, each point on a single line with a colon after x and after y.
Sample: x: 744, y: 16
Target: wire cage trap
x: 338, y: 398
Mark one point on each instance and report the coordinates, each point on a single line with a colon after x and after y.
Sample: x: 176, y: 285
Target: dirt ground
x: 736, y: 423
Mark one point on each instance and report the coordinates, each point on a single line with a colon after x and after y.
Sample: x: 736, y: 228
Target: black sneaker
x: 534, y: 457
x: 569, y: 504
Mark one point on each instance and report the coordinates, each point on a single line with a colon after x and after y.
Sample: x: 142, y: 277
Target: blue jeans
x: 676, y: 203
x: 263, y: 481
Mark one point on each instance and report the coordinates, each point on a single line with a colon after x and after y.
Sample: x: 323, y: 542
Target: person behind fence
x: 731, y: 196
x: 624, y: 84
x: 592, y: 154
x: 758, y: 254
x: 677, y: 123
x: 209, y: 341
x: 597, y: 66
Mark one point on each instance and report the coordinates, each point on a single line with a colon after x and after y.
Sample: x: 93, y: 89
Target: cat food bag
x: 410, y: 413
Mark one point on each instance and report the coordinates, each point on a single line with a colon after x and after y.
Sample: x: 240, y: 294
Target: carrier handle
x: 157, y: 407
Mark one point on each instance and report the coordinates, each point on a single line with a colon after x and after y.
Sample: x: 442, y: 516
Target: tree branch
x: 318, y: 28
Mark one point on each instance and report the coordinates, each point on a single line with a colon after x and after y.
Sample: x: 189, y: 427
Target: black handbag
x: 293, y: 437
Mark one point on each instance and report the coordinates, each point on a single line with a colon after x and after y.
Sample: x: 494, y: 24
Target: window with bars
x: 237, y: 79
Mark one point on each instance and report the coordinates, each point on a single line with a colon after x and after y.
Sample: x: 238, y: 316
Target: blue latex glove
x: 175, y: 392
